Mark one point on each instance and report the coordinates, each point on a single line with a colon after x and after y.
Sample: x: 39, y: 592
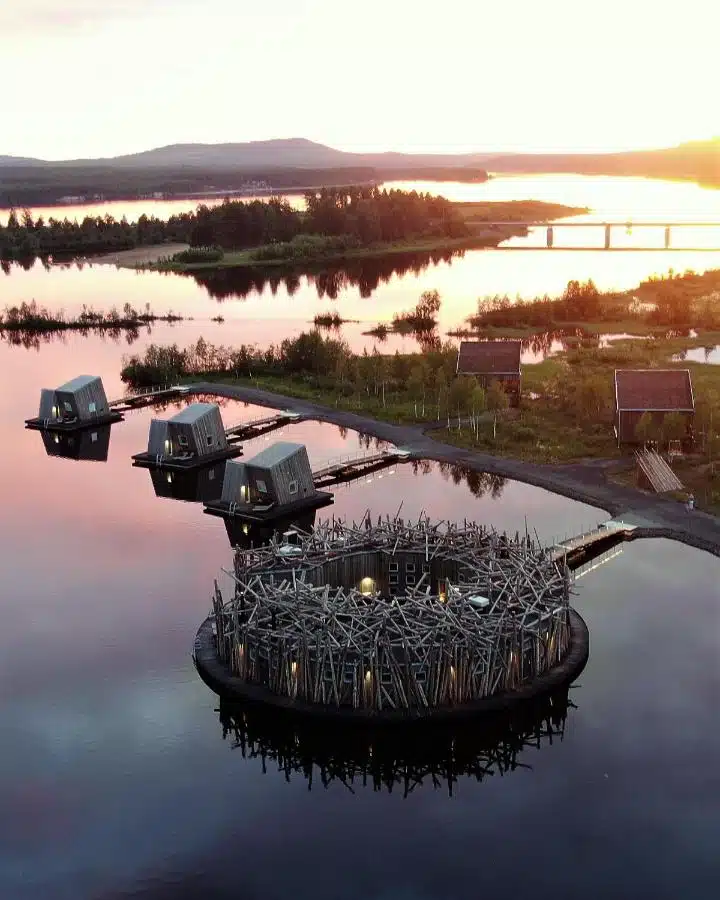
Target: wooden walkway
x: 147, y: 398
x: 581, y: 543
x: 244, y: 431
x: 344, y: 468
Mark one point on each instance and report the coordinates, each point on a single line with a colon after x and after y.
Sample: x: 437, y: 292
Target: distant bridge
x: 608, y: 226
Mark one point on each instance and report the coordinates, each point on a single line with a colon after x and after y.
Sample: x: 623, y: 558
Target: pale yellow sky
x: 103, y: 77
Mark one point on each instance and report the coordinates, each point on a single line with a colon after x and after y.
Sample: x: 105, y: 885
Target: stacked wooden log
x: 487, y: 613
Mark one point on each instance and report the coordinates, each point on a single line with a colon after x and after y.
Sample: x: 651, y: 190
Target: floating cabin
x: 654, y: 391
x: 193, y: 437
x: 90, y: 444
x: 79, y: 403
x: 276, y: 482
x: 196, y: 486
x: 489, y: 361
x: 400, y: 620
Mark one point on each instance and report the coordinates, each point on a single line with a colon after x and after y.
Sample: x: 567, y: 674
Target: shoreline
x: 586, y: 482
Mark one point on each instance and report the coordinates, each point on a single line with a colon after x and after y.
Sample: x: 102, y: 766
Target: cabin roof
x: 78, y: 382
x: 489, y: 357
x: 274, y: 454
x: 193, y: 412
x: 654, y: 389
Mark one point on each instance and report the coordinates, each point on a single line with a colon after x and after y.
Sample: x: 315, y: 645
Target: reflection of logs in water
x: 394, y: 758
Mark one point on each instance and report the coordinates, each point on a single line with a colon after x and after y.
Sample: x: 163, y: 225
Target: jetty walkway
x: 586, y: 482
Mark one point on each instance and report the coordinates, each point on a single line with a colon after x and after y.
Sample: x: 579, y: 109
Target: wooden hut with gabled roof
x: 654, y: 391
x: 489, y: 361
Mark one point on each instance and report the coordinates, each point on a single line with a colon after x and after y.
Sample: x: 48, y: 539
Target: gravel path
x: 584, y: 481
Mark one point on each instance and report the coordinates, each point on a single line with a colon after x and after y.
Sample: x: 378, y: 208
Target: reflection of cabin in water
x: 193, y: 437
x: 275, y: 482
x: 91, y: 444
x: 79, y: 403
x: 489, y: 361
x: 654, y: 391
x: 246, y: 535
x: 197, y: 486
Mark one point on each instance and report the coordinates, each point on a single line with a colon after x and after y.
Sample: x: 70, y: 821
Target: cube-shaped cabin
x: 279, y: 475
x: 489, y: 361
x: 80, y: 400
x: 654, y: 391
x: 196, y: 431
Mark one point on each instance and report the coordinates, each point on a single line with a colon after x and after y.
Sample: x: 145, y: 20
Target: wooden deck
x: 345, y: 468
x: 147, y: 398
x: 576, y: 550
x: 244, y: 431
x: 658, y: 473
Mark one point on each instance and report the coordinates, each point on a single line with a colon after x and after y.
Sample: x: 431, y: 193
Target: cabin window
x: 409, y: 567
x: 93, y: 437
x: 210, y: 440
x: 182, y: 440
x: 327, y: 673
x: 393, y: 578
x: 410, y: 579
x: 348, y: 674
x: 67, y: 406
x: 292, y: 487
x: 393, y: 567
x: 386, y: 676
x: 420, y: 675
x: 261, y: 486
x: 426, y: 568
x: 211, y: 475
x: 91, y: 406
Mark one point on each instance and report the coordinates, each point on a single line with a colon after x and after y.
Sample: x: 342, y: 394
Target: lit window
x: 182, y: 440
x: 68, y: 406
x: 93, y: 437
x: 261, y: 486
x: 91, y: 407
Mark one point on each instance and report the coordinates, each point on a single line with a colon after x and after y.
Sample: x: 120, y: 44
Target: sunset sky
x: 104, y: 77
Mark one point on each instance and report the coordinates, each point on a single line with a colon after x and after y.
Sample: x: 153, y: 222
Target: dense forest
x: 365, y: 214
x: 47, y: 184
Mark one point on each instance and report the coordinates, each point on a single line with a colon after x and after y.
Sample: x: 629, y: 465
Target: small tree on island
x: 497, y: 402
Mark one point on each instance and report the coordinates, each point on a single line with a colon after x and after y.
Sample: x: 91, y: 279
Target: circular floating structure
x: 393, y: 621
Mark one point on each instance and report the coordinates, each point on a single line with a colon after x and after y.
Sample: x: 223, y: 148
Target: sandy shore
x: 140, y: 256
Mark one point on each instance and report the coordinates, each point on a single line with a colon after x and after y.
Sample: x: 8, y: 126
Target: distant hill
x: 698, y: 160
x: 695, y: 160
x: 282, y: 153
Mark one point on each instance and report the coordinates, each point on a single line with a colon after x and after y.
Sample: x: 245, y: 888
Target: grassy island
x: 371, y: 223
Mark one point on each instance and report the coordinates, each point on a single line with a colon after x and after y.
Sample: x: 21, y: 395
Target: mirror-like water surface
x: 116, y: 780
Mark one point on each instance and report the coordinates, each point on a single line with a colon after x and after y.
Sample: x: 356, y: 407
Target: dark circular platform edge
x: 228, y: 686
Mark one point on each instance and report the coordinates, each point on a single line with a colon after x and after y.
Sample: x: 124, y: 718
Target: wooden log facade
x: 330, y: 621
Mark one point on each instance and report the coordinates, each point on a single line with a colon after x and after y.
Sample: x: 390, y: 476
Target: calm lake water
x: 263, y: 310
x: 115, y: 779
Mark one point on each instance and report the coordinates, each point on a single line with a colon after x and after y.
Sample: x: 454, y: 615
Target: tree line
x: 365, y: 215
